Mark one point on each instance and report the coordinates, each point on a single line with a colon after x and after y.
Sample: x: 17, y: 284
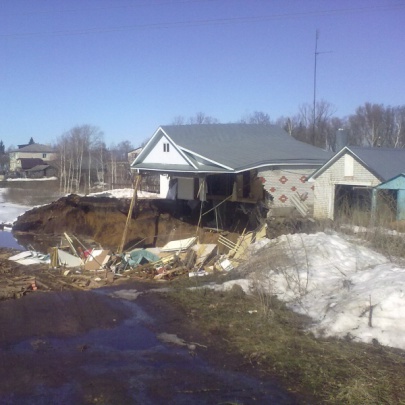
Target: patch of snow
x: 337, y: 283
x: 40, y: 179
x: 124, y: 193
x: 10, y: 212
x: 227, y: 286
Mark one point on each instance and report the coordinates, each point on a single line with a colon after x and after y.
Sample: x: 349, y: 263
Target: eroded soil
x: 60, y: 345
x: 101, y: 219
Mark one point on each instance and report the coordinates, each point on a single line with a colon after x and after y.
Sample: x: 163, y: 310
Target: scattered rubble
x: 73, y: 265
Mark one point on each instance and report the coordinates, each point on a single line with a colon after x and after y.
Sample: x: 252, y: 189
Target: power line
x: 203, y: 22
x: 132, y: 6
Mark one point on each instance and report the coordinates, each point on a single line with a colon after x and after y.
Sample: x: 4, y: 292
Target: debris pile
x: 72, y: 264
x: 16, y: 287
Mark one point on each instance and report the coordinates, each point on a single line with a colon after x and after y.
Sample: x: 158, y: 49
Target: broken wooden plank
x: 227, y: 242
x: 179, y: 245
x: 137, y: 182
x: 299, y: 205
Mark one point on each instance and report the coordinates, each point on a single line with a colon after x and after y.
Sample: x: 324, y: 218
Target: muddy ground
x: 103, y: 346
x: 61, y: 344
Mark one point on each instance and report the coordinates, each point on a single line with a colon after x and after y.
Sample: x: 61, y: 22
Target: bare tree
x: 178, y: 120
x: 258, y: 117
x: 318, y: 131
x: 73, y: 147
x: 289, y: 124
x: 119, y: 166
x: 198, y: 118
x: 367, y: 124
x: 202, y: 118
x: 399, y: 128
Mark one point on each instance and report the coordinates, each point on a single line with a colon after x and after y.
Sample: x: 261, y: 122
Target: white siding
x: 164, y: 185
x: 324, y: 194
x: 159, y: 155
x: 349, y: 165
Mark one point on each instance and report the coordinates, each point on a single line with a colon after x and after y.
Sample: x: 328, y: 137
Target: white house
x: 33, y: 155
x: 235, y: 162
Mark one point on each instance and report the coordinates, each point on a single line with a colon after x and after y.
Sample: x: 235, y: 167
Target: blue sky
x: 128, y: 66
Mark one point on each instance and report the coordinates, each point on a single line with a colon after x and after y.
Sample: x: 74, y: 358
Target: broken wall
x: 282, y: 183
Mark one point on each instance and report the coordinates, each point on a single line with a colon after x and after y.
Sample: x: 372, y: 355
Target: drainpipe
x: 373, y: 206
x: 401, y: 205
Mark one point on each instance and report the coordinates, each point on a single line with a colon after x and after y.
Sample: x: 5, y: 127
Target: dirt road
x: 86, y: 347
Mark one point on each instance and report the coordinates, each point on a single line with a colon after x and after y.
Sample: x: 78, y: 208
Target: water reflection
x: 30, y: 193
x: 7, y: 240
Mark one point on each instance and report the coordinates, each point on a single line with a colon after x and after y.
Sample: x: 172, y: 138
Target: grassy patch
x: 273, y: 340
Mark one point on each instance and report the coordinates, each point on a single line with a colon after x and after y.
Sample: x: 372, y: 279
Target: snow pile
x: 10, y: 212
x: 26, y: 179
x: 123, y: 193
x: 337, y: 284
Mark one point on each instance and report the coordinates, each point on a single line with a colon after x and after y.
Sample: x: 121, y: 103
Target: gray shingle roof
x: 29, y: 163
x: 36, y: 148
x: 386, y: 163
x: 38, y: 168
x: 242, y: 146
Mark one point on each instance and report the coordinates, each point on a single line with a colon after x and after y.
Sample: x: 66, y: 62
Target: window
x: 166, y: 147
x: 349, y: 166
x: 43, y: 155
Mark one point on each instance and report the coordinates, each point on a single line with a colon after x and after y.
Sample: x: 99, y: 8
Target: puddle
x: 7, y: 240
x: 124, y: 363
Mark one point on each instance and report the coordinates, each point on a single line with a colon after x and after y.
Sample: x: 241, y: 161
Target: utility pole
x: 314, y: 106
x: 316, y: 53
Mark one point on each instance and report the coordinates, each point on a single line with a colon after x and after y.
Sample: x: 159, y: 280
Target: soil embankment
x: 103, y: 220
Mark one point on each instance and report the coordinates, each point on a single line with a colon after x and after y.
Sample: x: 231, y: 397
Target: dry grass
x: 380, y: 229
x: 275, y: 342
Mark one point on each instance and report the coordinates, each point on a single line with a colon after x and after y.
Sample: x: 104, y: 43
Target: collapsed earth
x: 145, y: 335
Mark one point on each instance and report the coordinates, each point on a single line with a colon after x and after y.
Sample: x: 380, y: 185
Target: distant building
x: 133, y: 154
x: 27, y: 157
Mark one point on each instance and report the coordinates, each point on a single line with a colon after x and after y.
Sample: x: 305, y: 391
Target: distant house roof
x: 384, y: 163
x: 38, y: 168
x: 230, y: 148
x: 36, y: 148
x: 136, y: 150
x: 29, y: 163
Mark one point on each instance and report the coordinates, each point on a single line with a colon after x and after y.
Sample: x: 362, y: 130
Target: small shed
x: 396, y: 188
x: 41, y: 171
x: 349, y: 178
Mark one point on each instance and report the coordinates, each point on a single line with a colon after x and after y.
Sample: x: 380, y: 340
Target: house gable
x: 344, y: 169
x: 384, y: 163
x: 162, y: 150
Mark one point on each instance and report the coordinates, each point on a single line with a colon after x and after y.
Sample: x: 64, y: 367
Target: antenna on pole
x: 316, y: 53
x: 314, y: 106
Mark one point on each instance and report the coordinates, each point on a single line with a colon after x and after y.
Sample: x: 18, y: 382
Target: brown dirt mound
x: 103, y: 220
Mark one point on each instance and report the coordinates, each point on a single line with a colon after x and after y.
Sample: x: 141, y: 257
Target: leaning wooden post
x: 131, y: 207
